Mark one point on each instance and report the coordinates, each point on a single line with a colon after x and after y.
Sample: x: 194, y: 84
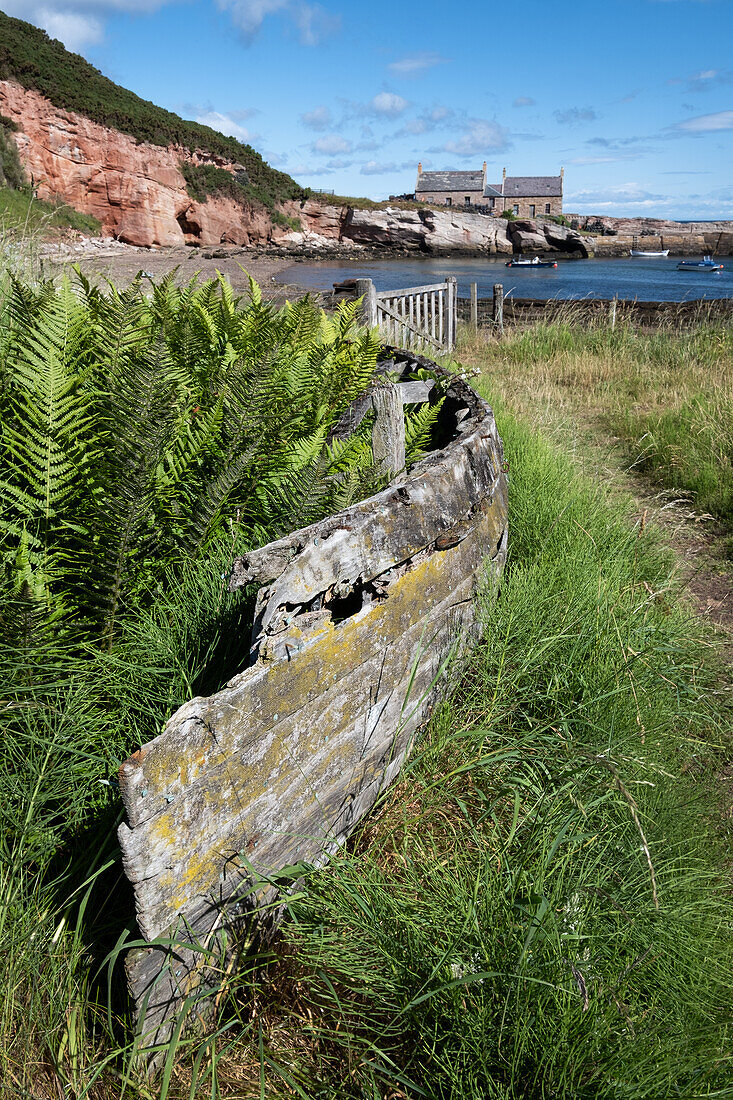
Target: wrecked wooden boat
x: 355, y: 621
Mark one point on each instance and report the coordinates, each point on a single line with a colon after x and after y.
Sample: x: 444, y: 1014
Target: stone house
x: 525, y: 196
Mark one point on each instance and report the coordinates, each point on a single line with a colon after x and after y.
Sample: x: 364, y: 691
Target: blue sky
x: 633, y: 97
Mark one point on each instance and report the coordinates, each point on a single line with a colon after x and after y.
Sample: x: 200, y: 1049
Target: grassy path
x: 649, y: 413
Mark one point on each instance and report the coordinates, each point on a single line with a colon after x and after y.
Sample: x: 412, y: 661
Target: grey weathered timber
x: 388, y: 433
x: 355, y: 620
x: 474, y: 306
x: 499, y: 308
x: 416, y: 317
x: 452, y: 296
x: 364, y: 289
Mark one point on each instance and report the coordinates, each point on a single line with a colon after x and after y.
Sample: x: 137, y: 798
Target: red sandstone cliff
x: 135, y: 189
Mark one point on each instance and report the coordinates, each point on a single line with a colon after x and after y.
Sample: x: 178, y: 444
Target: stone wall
x: 451, y: 198
x: 534, y: 207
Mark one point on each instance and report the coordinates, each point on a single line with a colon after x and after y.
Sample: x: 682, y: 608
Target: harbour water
x: 646, y: 280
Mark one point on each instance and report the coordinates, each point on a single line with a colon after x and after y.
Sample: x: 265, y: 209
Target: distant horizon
x: 351, y: 99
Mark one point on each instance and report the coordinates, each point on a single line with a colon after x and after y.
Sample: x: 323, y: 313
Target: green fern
x: 138, y: 425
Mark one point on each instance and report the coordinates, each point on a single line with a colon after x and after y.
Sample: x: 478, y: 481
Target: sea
x: 640, y: 278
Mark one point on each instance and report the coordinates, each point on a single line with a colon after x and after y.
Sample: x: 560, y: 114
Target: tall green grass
x: 538, y: 908
x: 667, y: 395
x: 688, y: 448
x: 22, y: 214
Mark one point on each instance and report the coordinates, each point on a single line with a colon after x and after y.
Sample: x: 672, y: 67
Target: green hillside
x: 29, y: 57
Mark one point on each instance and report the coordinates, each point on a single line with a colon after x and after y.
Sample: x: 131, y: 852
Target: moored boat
x: 707, y: 263
x: 535, y: 262
x: 641, y: 252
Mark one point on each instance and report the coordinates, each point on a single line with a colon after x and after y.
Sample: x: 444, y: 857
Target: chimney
x: 503, y: 179
x: 419, y: 169
x: 562, y: 173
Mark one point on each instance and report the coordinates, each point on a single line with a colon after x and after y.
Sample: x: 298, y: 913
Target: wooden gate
x: 419, y: 318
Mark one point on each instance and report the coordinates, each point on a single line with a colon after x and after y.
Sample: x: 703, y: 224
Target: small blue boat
x: 707, y: 263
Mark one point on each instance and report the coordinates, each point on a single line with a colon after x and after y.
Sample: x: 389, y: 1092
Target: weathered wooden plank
x: 401, y: 323
x: 365, y: 290
x: 414, y: 393
x: 314, y: 810
x: 175, y: 761
x: 386, y: 295
x: 451, y: 466
x: 388, y: 433
x: 282, y: 763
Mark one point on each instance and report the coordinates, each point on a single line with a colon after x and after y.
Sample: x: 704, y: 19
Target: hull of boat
x: 636, y: 252
x: 528, y: 263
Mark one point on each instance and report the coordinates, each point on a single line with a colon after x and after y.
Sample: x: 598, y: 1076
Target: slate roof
x: 451, y: 181
x: 527, y: 187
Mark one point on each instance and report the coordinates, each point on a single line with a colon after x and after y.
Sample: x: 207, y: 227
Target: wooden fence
x: 420, y: 317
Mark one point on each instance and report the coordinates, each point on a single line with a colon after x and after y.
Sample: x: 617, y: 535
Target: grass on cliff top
x: 665, y: 396
x: 32, y: 59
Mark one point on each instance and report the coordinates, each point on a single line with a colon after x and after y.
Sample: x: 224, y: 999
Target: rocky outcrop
x: 426, y: 230
x: 545, y: 236
x: 617, y: 236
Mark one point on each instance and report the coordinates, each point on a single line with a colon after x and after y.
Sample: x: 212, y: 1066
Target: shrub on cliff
x: 11, y: 170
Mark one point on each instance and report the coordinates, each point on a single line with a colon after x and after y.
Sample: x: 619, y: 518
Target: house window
x: 492, y: 203
x: 449, y: 201
x: 515, y: 208
x: 531, y: 209
x: 467, y: 200
x: 547, y: 208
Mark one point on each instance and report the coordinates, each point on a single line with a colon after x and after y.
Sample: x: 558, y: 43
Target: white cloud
x: 331, y: 145
x: 388, y: 105
x: 76, y: 23
x: 706, y: 124
x: 320, y: 118
x: 416, y: 63
x: 481, y: 136
x: 523, y: 101
x: 312, y: 21
x: 72, y: 28
x: 627, y: 194
x: 378, y: 168
x: 704, y: 79
x: 225, y: 124
x: 433, y: 119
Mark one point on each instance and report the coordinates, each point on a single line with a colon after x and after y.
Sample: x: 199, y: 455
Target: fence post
x: 474, y: 306
x: 452, y: 296
x: 613, y: 314
x: 365, y: 289
x: 388, y: 433
x: 499, y: 308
